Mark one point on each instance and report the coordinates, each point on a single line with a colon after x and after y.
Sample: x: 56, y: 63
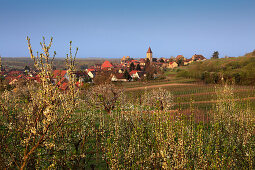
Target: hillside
x: 237, y: 70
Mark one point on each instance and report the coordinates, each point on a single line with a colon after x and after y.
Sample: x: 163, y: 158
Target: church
x: 149, y: 54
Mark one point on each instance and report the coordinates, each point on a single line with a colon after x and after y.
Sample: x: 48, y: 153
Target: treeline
x: 238, y: 70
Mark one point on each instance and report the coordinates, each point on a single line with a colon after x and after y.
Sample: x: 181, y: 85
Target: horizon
x: 114, y: 29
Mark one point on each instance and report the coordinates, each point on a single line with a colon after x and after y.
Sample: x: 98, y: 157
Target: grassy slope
x: 238, y: 69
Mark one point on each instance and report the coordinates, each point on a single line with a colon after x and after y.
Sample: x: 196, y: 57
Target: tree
x: 104, y: 96
x: 27, y: 68
x: 102, y: 77
x: 132, y: 66
x: 180, y: 62
x: 161, y: 60
x: 127, y: 75
x: 138, y: 67
x: 253, y: 53
x: 147, y: 64
x: 150, y: 70
x: 215, y: 55
x: 161, y: 99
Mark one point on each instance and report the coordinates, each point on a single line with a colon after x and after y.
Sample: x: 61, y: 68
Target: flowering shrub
x: 159, y: 99
x: 31, y: 125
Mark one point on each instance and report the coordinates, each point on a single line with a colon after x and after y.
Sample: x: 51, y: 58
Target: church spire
x: 149, y: 50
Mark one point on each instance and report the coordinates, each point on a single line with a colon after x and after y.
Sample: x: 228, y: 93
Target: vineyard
x: 201, y: 96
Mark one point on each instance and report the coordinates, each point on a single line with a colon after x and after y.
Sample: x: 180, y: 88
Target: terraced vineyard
x: 201, y: 96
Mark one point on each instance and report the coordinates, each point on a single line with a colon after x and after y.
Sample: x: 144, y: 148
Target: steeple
x: 0, y: 64
x: 149, y: 54
x: 149, y: 50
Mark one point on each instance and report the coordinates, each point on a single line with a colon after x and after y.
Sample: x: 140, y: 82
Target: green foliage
x: 127, y: 75
x: 215, y: 55
x: 180, y: 62
x: 239, y: 70
x: 132, y: 66
x: 138, y: 67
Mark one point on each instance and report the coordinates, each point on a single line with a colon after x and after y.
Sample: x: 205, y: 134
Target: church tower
x: 149, y: 54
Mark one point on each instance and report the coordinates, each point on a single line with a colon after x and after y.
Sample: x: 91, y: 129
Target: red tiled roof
x: 142, y: 60
x: 88, y: 70
x: 133, y: 72
x: 63, y: 79
x: 30, y: 78
x: 133, y: 61
x: 78, y: 84
x: 9, y: 78
x: 59, y: 73
x: 64, y: 86
x: 106, y: 64
x: 15, y: 72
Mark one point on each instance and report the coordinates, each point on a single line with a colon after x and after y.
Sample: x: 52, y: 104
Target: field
x: 173, y: 123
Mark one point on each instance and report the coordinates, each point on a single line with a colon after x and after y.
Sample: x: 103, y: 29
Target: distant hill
x: 237, y: 70
x: 19, y: 63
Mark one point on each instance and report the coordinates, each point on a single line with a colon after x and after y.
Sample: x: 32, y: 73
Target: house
x: 64, y: 86
x: 142, y: 61
x: 163, y: 59
x: 106, y: 65
x: 188, y: 61
x: 91, y: 73
x: 59, y: 74
x: 37, y: 78
x: 197, y: 57
x: 118, y: 77
x: 11, y: 80
x: 81, y: 76
x: 137, y: 74
x: 172, y: 64
x: 79, y: 84
x: 125, y: 59
x: 121, y: 70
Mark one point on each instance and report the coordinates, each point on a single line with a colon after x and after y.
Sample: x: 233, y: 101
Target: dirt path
x: 157, y: 86
x: 214, y: 101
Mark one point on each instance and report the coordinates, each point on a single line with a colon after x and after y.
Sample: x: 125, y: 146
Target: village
x: 128, y: 69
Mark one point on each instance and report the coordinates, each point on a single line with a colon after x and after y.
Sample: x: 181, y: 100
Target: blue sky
x: 116, y: 28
